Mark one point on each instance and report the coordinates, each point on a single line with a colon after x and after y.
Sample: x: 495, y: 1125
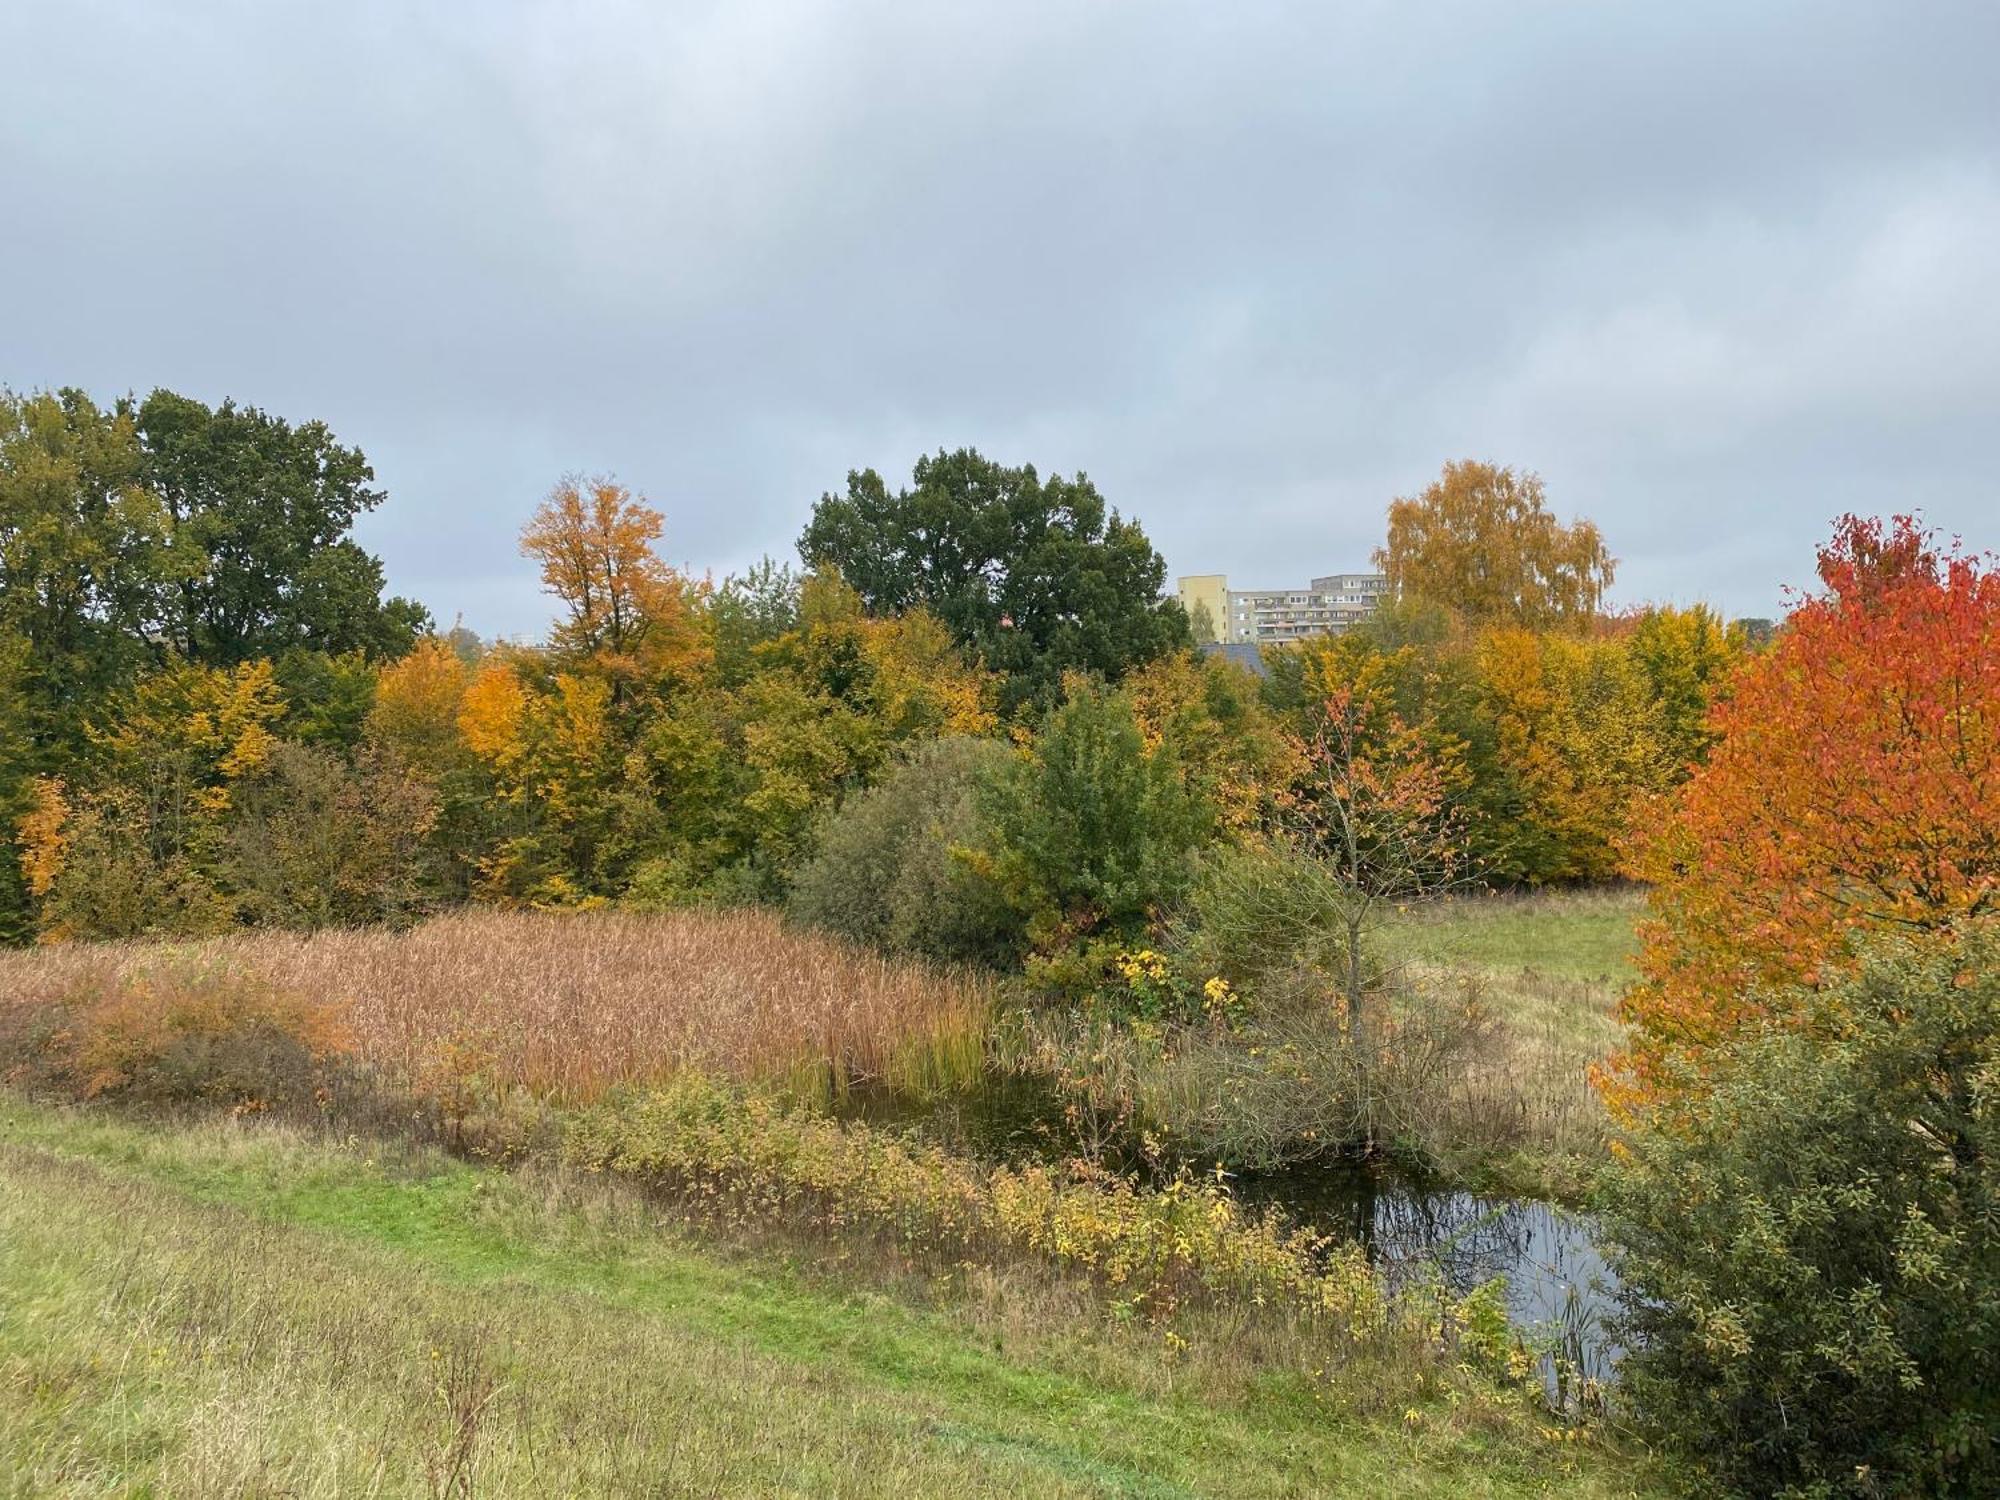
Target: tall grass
x: 567, y: 1006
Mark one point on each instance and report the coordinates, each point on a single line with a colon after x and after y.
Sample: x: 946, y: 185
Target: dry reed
x: 568, y: 1005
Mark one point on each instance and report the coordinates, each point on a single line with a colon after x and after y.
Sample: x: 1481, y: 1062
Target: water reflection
x: 1557, y: 1282
x: 1558, y: 1288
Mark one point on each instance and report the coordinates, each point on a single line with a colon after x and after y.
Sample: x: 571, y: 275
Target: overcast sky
x: 1718, y: 271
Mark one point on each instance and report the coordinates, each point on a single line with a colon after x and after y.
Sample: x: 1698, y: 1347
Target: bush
x: 131, y: 865
x: 1809, y: 1239
x: 1093, y: 831
x: 183, y: 1034
x: 1271, y: 920
x: 886, y: 876
x: 315, y: 843
x: 1264, y: 1092
x: 741, y: 1156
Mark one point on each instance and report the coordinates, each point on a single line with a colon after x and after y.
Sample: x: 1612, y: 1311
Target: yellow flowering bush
x: 749, y: 1159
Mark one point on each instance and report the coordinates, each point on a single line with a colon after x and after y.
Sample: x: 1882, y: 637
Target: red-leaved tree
x: 1855, y: 785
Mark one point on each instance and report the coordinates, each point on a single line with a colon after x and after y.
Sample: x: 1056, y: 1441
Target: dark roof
x: 1243, y: 653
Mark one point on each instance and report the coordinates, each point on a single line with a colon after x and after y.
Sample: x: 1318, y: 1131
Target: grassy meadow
x: 1573, y: 934
x: 682, y: 1289
x: 215, y: 1309
x: 1549, y: 967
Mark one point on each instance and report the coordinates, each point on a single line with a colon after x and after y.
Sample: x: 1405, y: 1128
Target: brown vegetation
x: 569, y: 1005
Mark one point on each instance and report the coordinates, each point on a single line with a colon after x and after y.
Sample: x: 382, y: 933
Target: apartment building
x: 1259, y: 617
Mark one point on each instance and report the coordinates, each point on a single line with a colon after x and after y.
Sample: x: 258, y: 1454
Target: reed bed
x: 568, y: 1006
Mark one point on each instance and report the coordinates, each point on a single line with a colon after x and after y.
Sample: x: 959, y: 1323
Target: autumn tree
x: 1427, y: 674
x: 416, y: 705
x: 138, y: 533
x: 1689, y: 657
x: 1579, y: 727
x: 1482, y: 541
x: 1376, y: 807
x: 626, y: 611
x: 553, y: 761
x: 746, y: 769
x: 1211, y: 712
x: 1855, y: 786
x: 135, y: 843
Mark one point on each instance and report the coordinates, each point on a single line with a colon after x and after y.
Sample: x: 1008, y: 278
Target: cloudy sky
x: 1718, y: 271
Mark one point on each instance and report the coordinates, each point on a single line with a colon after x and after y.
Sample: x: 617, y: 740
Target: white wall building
x: 1258, y: 617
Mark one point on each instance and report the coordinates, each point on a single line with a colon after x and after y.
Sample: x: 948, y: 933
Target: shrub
x: 1809, y: 1245
x: 1092, y: 830
x: 186, y: 1033
x: 314, y: 842
x: 1269, y: 1091
x: 886, y: 874
x: 1268, y: 918
x: 742, y: 1155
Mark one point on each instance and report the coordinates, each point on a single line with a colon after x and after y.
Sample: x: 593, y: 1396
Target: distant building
x: 1259, y: 617
x: 1242, y: 653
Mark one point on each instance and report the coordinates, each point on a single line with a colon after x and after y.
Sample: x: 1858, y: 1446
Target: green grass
x: 1581, y: 935
x: 219, y: 1309
x: 1550, y: 967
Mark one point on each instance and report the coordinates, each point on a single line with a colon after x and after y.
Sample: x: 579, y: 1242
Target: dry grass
x: 1519, y: 1111
x: 568, y: 1005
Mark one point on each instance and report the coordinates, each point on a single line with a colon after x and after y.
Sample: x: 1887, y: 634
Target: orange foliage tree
x: 1482, y: 541
x: 626, y: 611
x: 1855, y: 785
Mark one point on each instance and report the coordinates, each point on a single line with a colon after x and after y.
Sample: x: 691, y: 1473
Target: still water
x: 1558, y: 1289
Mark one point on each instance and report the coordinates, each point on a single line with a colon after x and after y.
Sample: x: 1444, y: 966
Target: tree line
x: 215, y: 716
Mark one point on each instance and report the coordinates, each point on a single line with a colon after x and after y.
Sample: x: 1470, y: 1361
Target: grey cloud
x: 1718, y: 271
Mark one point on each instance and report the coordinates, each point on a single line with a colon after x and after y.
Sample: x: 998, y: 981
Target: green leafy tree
x: 1090, y: 830
x: 266, y: 508
x: 1201, y: 624
x: 749, y: 609
x: 88, y: 561
x: 316, y: 842
x: 1037, y: 576
x: 328, y: 699
x: 1688, y: 656
x: 1808, y: 1239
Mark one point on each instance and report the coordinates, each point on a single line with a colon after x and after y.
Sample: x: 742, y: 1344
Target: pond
x: 1559, y: 1291
x: 1558, y: 1287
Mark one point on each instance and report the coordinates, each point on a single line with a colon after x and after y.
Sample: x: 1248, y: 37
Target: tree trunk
x: 1357, y: 1038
